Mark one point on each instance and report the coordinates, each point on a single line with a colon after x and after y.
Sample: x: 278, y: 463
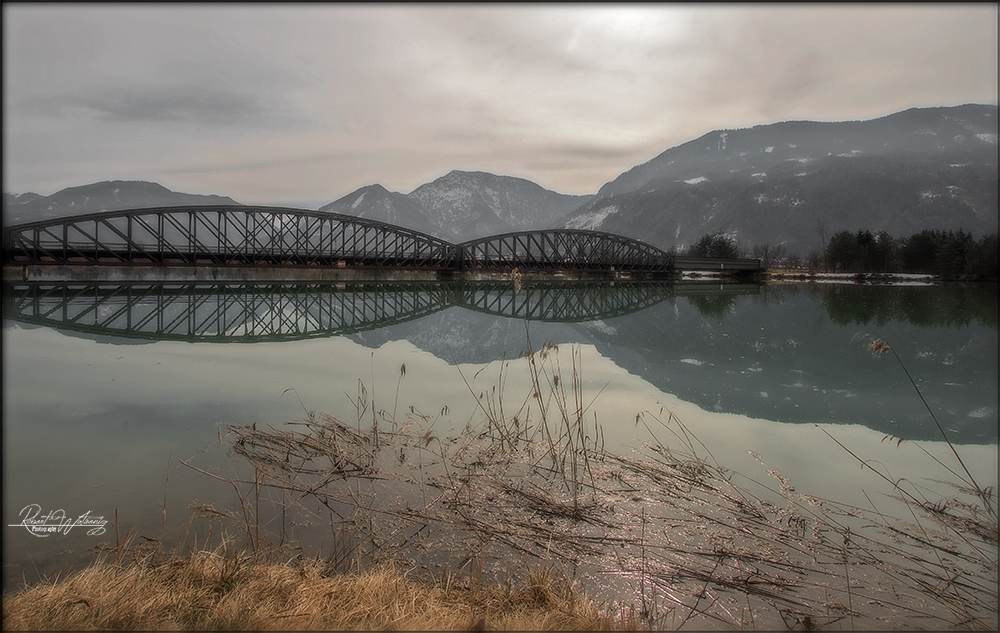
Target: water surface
x: 107, y: 387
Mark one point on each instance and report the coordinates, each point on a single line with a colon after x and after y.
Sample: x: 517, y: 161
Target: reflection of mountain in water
x: 781, y: 354
x: 776, y: 352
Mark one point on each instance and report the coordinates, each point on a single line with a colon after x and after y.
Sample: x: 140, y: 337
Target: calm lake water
x: 107, y: 387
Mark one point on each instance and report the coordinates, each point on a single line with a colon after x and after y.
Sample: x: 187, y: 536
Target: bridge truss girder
x: 270, y: 236
x: 564, y: 249
x: 224, y: 236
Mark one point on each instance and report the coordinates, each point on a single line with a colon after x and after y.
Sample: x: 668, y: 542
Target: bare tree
x: 821, y: 230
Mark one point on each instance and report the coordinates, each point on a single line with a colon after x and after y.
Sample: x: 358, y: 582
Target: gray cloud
x: 271, y: 102
x: 162, y: 104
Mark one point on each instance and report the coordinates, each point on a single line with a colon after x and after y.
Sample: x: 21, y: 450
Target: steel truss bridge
x: 270, y: 236
x: 248, y: 312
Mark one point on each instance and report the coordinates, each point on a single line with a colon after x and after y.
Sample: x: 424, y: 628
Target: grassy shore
x: 217, y: 591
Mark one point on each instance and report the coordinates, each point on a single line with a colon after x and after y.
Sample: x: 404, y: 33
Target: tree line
x: 948, y: 254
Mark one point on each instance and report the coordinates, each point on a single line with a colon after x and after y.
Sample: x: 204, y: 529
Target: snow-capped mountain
x: 111, y: 195
x: 462, y: 205
x: 792, y: 184
x: 375, y: 202
x: 466, y: 204
x: 786, y: 183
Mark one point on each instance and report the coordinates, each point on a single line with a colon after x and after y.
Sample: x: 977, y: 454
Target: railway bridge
x: 238, y: 236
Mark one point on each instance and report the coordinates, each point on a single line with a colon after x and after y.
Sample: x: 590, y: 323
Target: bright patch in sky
x: 268, y: 103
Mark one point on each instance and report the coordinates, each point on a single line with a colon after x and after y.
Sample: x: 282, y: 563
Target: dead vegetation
x: 663, y: 538
x: 223, y: 591
x: 664, y: 531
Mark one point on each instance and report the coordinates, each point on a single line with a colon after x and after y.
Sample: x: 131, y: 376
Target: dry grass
x: 665, y: 537
x: 665, y: 531
x: 215, y: 591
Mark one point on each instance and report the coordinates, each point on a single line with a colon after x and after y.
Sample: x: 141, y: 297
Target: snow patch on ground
x: 601, y: 327
x: 358, y: 201
x: 695, y: 181
x: 592, y: 220
x: 692, y: 361
x: 894, y: 279
x: 769, y: 149
x: 987, y: 138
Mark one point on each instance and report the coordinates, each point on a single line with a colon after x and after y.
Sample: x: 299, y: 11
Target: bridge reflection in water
x: 227, y: 312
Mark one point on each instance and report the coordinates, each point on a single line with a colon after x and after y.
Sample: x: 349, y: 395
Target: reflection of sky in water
x: 90, y: 426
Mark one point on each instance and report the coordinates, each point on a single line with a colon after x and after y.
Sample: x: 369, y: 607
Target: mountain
x: 375, y: 202
x: 462, y: 205
x: 788, y: 183
x: 113, y: 195
x: 465, y: 205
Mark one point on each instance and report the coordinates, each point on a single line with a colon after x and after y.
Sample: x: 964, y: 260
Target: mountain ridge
x: 787, y: 183
x: 106, y: 195
x: 790, y: 184
x: 462, y: 205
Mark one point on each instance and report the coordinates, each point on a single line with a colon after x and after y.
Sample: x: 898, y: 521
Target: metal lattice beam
x: 223, y: 236
x: 271, y: 236
x: 564, y: 249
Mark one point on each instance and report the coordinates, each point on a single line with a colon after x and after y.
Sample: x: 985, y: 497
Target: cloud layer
x: 270, y: 103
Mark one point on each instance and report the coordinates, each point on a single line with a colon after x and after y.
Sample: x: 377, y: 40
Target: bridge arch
x: 278, y: 236
x: 224, y: 235
x: 572, y: 249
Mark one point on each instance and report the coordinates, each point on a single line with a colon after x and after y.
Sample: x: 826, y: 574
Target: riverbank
x: 648, y: 515
x: 225, y: 591
x: 674, y: 540
x: 271, y: 274
x: 789, y: 275
x: 660, y: 537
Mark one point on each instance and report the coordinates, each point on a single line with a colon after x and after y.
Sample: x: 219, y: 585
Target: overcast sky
x: 293, y: 104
